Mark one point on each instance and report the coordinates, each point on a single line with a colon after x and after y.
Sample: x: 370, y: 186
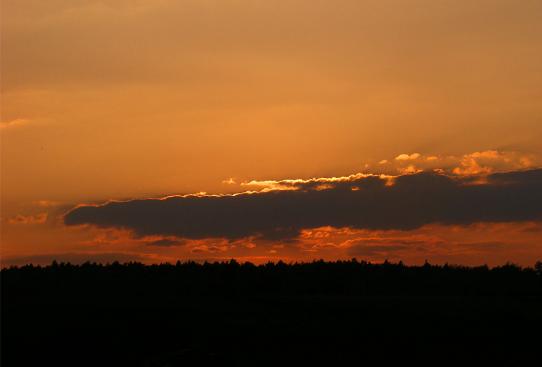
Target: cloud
x: 376, y: 250
x: 46, y: 203
x: 13, y: 123
x: 481, y: 246
x: 533, y: 228
x: 401, y: 248
x: 492, y: 160
x: 210, y: 248
x: 294, y: 184
x: 408, y: 157
x: 411, y: 202
x: 477, y: 163
x: 29, y: 219
x: 376, y: 246
x: 166, y: 242
x: 409, y: 169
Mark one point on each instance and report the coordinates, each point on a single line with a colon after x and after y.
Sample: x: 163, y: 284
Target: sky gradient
x: 119, y: 100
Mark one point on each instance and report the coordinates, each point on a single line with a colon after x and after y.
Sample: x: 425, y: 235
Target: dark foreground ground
x: 345, y: 313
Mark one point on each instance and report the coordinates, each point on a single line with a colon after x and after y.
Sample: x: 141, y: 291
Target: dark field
x: 341, y: 313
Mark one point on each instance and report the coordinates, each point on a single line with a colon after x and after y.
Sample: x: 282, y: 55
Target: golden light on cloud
x: 320, y: 182
x: 408, y: 157
x: 478, y: 164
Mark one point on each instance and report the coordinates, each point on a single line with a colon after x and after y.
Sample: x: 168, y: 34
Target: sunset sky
x: 158, y: 130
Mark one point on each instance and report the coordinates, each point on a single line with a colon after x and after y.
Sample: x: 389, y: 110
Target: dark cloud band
x: 365, y: 203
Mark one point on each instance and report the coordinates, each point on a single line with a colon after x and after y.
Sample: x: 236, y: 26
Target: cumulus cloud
x: 408, y: 157
x: 377, y: 203
x: 482, y: 162
x: 409, y: 169
x: 492, y: 160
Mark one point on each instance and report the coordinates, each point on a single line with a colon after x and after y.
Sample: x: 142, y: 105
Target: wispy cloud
x: 46, y: 203
x: 29, y: 219
x: 13, y: 123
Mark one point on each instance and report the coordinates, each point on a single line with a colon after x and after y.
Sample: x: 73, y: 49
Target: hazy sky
x: 120, y: 99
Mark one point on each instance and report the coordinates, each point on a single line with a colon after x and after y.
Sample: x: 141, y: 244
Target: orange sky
x: 119, y: 99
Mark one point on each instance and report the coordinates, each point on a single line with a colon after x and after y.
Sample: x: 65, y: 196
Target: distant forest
x: 232, y: 314
x: 351, y: 277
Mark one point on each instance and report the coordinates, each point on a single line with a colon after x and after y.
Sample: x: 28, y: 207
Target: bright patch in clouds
x: 408, y: 157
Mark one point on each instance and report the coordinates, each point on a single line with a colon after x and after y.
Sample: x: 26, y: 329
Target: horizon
x: 535, y: 267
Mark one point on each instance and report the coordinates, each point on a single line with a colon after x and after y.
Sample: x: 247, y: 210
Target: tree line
x: 232, y: 278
